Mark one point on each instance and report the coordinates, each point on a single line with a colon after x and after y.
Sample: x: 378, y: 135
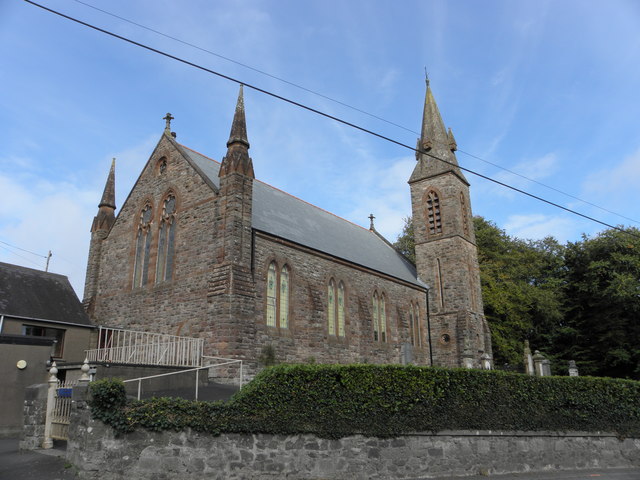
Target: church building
x: 203, y: 249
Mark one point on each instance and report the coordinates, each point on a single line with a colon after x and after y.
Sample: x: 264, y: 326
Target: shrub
x: 333, y: 401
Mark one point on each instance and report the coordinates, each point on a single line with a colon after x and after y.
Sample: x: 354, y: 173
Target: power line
x: 314, y: 92
x: 326, y: 115
x: 22, y: 249
x: 20, y: 256
x: 262, y: 72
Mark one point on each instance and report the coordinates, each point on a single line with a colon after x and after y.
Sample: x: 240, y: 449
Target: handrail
x: 197, y: 370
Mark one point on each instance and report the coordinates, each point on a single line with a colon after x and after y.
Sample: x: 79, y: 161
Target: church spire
x: 237, y: 158
x: 436, y: 141
x: 107, y: 206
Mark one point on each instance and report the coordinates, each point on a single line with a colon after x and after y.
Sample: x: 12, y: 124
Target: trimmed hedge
x: 334, y: 401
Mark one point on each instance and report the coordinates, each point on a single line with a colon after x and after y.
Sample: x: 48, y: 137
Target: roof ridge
x: 32, y: 270
x: 286, y: 193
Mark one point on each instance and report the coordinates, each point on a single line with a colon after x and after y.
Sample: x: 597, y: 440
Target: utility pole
x: 46, y: 269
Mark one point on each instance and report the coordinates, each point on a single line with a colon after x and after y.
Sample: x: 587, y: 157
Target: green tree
x: 602, y: 328
x: 405, y: 242
x: 521, y: 288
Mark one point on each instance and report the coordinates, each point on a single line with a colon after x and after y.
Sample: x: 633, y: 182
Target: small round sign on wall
x: 21, y: 364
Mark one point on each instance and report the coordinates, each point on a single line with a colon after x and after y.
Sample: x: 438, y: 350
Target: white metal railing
x: 143, y: 348
x: 225, y: 361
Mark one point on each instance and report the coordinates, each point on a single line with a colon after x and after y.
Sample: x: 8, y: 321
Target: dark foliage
x: 334, y: 401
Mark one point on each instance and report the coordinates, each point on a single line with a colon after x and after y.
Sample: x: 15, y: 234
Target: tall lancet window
x: 143, y: 247
x: 278, y: 295
x: 271, y: 295
x: 331, y: 307
x: 166, y: 239
x: 465, y: 214
x: 379, y: 318
x: 415, y: 325
x: 340, y: 309
x: 335, y: 309
x: 284, y: 297
x: 434, y: 220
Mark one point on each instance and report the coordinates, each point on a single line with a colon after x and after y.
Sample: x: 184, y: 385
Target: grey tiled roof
x: 278, y: 213
x: 34, y: 294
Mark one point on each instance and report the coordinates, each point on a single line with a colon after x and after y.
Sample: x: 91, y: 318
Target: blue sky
x: 548, y: 89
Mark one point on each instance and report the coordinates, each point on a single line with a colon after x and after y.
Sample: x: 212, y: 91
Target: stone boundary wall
x: 98, y: 453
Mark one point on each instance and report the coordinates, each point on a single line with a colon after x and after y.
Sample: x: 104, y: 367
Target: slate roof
x: 38, y: 295
x: 285, y: 216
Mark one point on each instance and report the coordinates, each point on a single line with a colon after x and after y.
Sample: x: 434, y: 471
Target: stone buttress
x: 232, y: 293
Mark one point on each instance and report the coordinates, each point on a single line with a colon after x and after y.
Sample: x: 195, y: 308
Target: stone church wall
x: 307, y: 337
x: 175, y: 307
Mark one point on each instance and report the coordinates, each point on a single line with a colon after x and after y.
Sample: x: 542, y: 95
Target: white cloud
x: 48, y: 216
x: 618, y: 180
x: 56, y: 214
x: 535, y: 169
x: 537, y: 226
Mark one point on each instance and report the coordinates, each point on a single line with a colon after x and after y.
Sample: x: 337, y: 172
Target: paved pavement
x: 51, y: 465
x: 33, y: 465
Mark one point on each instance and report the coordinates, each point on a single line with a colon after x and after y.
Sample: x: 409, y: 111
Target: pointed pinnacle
x: 239, y: 126
x: 109, y: 194
x: 453, y: 146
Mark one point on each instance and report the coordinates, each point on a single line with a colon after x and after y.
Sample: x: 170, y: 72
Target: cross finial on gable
x: 371, y: 217
x: 168, y: 119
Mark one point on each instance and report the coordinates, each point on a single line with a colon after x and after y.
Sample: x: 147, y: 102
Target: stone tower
x: 446, y: 253
x: 232, y: 289
x: 102, y: 223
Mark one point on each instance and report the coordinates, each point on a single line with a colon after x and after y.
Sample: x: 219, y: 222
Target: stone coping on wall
x: 510, y: 433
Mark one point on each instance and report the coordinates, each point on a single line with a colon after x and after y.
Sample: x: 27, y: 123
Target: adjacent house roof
x: 285, y: 216
x: 38, y: 295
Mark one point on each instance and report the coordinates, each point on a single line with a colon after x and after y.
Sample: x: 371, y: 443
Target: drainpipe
x: 429, y: 329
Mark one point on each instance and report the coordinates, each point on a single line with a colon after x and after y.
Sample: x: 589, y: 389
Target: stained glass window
x: 271, y: 295
x: 416, y: 328
x: 376, y: 317
x: 341, y: 309
x: 383, y: 320
x: 411, y: 326
x: 284, y: 297
x: 143, y: 247
x: 331, y: 307
x: 166, y: 240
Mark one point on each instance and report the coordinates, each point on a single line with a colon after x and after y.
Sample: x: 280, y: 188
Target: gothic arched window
x: 335, y: 309
x: 434, y: 220
x: 415, y: 326
x: 143, y: 247
x: 340, y: 309
x: 271, y: 295
x: 284, y: 297
x: 278, y: 293
x: 166, y: 239
x: 379, y: 318
x: 331, y: 307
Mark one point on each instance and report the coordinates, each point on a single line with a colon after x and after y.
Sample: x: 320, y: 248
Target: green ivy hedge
x: 333, y: 401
